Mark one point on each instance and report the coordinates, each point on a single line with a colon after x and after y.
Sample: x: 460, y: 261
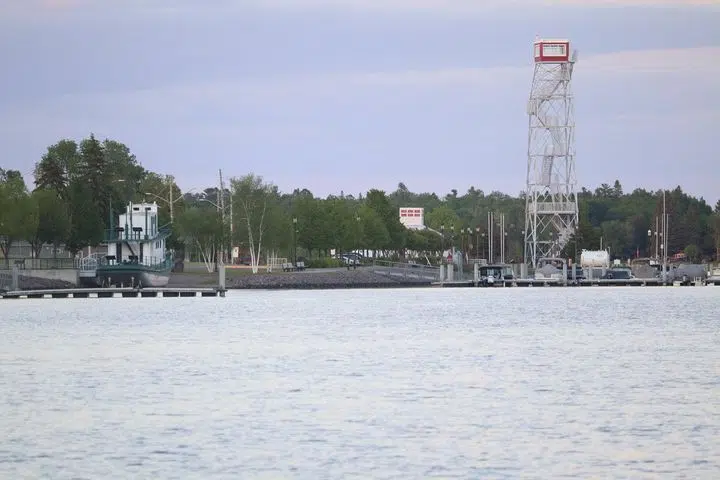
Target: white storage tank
x: 595, y: 258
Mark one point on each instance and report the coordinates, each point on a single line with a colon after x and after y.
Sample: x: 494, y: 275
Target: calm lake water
x: 367, y: 384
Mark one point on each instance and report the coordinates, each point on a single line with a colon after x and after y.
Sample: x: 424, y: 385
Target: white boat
x: 137, y: 255
x: 714, y: 277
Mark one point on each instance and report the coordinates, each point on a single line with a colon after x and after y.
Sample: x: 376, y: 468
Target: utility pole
x: 171, y: 182
x: 490, y: 235
x: 664, y: 238
x: 220, y: 208
x: 502, y: 238
x: 221, y: 199
x: 232, y: 218
x: 477, y: 242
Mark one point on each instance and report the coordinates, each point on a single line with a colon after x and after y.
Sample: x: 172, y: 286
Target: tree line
x: 79, y: 186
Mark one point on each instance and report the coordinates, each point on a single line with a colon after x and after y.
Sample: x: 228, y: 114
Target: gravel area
x: 300, y: 280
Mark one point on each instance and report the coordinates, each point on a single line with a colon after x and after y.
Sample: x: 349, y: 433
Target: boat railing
x: 89, y: 262
x: 134, y: 234
x: 111, y: 260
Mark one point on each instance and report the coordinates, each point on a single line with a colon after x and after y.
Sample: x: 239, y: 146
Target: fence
x: 275, y: 263
x: 406, y: 270
x: 39, y: 263
x: 5, y: 280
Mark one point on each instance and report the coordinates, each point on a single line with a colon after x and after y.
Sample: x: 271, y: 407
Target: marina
x: 568, y: 276
x: 602, y: 282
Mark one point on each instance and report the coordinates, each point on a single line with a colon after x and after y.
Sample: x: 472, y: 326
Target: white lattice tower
x: 551, y: 208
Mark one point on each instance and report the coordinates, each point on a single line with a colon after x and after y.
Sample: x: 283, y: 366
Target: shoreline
x: 315, y: 280
x: 308, y: 280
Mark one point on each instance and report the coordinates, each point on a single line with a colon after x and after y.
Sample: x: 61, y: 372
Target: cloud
x: 461, y: 5
x: 700, y: 62
x: 635, y: 87
x: 273, y: 94
x: 61, y: 4
x: 679, y: 60
x: 214, y: 6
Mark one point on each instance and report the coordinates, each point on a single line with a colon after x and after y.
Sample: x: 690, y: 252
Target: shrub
x: 323, y: 262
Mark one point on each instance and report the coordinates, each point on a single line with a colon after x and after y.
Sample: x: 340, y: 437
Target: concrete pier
x: 114, y: 293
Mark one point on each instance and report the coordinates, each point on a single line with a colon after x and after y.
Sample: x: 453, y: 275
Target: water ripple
x: 457, y: 383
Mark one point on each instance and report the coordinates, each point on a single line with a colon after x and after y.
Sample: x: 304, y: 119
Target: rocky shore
x: 335, y: 279
x: 35, y: 283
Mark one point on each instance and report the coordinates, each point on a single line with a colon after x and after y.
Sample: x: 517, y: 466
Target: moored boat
x: 714, y: 277
x: 137, y: 251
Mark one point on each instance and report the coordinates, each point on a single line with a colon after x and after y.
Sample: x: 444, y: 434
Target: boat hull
x: 135, y: 277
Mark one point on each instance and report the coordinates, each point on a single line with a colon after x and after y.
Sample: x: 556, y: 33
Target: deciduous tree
x: 254, y: 201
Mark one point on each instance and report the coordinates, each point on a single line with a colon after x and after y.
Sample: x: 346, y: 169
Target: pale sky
x: 349, y: 95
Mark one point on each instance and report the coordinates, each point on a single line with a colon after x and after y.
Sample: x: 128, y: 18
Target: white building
x: 413, y: 217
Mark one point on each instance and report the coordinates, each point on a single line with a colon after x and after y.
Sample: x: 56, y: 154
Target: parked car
x: 351, y: 258
x: 618, y: 274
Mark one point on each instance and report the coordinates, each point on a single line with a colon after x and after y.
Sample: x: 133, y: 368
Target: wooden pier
x: 115, y: 293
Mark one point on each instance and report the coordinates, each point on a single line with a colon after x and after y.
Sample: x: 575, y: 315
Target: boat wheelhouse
x: 137, y: 250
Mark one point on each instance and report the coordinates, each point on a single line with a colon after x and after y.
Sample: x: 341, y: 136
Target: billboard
x: 412, y: 217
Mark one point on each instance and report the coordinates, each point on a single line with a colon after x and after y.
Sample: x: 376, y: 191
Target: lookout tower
x: 551, y: 207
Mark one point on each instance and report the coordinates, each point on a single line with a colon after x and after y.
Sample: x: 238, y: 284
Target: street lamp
x: 477, y: 242
x: 169, y: 201
x: 295, y: 232
x: 469, y: 243
x: 504, y: 246
x: 203, y: 199
x: 357, y: 239
x: 484, y: 245
x: 442, y: 240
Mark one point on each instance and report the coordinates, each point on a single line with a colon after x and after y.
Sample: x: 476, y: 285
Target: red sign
x: 449, y: 258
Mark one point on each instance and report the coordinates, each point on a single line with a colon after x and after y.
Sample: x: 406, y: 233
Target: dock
x: 115, y: 293
x: 531, y: 282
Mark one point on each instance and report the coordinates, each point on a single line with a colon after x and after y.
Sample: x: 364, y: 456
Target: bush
x: 323, y: 262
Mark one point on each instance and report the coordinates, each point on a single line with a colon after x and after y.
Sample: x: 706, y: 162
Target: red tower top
x: 552, y: 51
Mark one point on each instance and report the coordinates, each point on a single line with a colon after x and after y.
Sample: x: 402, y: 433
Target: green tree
x: 309, y: 229
x: 255, y: 202
x: 341, y: 224
x: 15, y: 211
x: 32, y: 222
x: 94, y: 174
x: 375, y: 233
x: 86, y: 223
x: 693, y: 253
x: 203, y: 228
x: 53, y: 218
x: 57, y: 166
x: 389, y: 215
x: 443, y: 218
